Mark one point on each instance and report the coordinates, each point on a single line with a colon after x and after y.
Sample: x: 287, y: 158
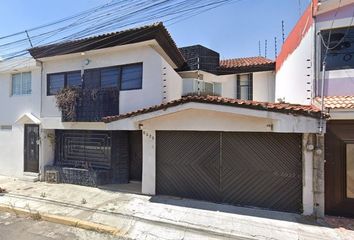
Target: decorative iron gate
x: 87, y: 149
x: 249, y: 169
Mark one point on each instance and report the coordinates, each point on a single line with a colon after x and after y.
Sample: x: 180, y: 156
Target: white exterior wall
x: 149, y: 162
x: 218, y: 119
x: 229, y: 87
x: 47, y: 150
x: 12, y: 108
x: 16, y: 106
x: 11, y: 151
x: 155, y: 69
x: 263, y: 85
x: 294, y: 80
x: 307, y: 174
x: 171, y: 83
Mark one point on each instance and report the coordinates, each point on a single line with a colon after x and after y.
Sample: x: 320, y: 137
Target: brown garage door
x: 250, y: 169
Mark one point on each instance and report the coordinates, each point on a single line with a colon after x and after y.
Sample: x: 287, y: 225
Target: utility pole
x: 29, y: 39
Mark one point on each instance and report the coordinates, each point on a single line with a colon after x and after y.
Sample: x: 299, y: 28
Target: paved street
x: 138, y: 216
x: 12, y: 227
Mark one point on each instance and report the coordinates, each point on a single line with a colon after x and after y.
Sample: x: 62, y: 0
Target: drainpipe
x: 41, y: 88
x: 41, y: 158
x: 322, y: 96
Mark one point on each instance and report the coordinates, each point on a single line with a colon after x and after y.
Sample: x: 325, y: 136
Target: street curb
x: 9, y: 208
x: 68, y: 221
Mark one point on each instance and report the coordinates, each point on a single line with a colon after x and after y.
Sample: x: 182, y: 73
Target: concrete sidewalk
x: 145, y: 217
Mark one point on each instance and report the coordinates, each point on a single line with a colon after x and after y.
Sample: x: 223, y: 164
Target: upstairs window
x: 21, y: 83
x: 58, y: 81
x: 340, y: 43
x: 245, y: 87
x: 109, y: 77
x: 73, y: 79
x: 132, y: 76
x: 127, y: 77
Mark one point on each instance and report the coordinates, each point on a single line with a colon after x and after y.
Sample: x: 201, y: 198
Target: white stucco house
x: 316, y: 66
x: 134, y: 107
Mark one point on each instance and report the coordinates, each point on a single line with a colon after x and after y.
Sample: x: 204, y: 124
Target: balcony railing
x: 91, y: 105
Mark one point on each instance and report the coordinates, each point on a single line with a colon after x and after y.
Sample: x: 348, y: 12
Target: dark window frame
x: 118, y: 79
x: 121, y: 74
x: 65, y: 80
x: 250, y: 86
x: 119, y: 83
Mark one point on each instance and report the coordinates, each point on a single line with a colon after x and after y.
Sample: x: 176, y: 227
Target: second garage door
x: 250, y: 169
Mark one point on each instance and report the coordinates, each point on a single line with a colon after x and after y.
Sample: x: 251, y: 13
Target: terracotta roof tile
x: 306, y: 110
x: 245, y: 62
x: 335, y: 102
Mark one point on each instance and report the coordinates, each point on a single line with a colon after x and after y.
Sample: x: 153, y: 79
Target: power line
x: 182, y: 13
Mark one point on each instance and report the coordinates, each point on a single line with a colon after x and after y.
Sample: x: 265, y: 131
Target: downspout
x: 41, y: 88
x: 316, y: 56
x: 322, y: 97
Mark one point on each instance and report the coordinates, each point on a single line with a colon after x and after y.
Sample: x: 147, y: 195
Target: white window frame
x: 21, y: 84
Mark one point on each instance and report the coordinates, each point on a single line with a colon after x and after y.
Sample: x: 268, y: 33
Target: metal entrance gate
x: 250, y: 169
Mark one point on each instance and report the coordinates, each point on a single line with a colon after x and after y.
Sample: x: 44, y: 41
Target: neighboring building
x: 251, y: 78
x: 124, y: 117
x: 325, y: 34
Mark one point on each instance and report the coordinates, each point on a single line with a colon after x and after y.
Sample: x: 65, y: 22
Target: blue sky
x: 232, y: 30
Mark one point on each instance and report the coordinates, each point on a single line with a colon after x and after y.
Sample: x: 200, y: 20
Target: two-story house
x: 131, y: 105
x: 316, y: 66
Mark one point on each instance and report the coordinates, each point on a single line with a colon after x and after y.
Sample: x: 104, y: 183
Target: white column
x: 149, y: 162
x: 318, y: 175
x: 307, y: 174
x: 47, y: 145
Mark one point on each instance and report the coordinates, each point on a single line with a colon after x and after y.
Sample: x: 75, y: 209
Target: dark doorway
x: 339, y: 168
x: 136, y: 155
x: 31, y: 148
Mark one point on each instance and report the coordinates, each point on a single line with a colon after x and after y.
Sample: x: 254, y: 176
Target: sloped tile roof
x: 245, y: 62
x: 335, y: 102
x: 306, y: 110
x: 155, y: 31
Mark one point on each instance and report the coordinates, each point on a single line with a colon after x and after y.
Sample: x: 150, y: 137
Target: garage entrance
x: 241, y: 168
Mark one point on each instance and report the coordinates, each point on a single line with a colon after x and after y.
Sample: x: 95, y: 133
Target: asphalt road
x: 19, y: 228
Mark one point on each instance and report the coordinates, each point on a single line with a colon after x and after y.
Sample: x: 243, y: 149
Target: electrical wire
x: 177, y: 16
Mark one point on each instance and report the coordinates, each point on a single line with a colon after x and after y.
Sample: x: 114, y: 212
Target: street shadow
x: 239, y: 210
x: 133, y: 187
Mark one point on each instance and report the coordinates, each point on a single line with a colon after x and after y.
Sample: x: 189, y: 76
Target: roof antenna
x: 259, y: 48
x: 265, y: 48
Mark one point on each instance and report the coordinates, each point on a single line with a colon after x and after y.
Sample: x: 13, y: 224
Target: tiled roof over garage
x: 336, y: 102
x: 305, y: 110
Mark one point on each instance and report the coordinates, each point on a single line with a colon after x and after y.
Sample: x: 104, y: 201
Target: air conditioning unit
x: 52, y: 176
